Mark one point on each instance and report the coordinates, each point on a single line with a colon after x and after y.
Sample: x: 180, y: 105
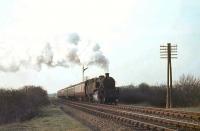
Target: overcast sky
x: 125, y: 35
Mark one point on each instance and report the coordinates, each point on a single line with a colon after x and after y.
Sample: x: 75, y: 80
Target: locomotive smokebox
x: 107, y: 75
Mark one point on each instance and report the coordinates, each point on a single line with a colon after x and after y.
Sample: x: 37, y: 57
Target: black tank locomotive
x: 100, y: 90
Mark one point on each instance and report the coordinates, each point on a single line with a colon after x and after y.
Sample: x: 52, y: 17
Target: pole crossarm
x: 167, y: 53
x: 172, y: 51
x: 167, y: 57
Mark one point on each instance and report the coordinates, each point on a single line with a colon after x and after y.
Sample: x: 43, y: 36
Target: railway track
x: 129, y: 117
x: 193, y: 117
x: 122, y: 120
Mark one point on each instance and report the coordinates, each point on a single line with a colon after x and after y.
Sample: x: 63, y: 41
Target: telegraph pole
x: 83, y: 70
x: 169, y: 52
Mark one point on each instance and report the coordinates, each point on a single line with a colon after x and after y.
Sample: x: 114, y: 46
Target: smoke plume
x: 74, y: 38
x: 46, y: 56
x: 97, y: 58
x: 72, y: 52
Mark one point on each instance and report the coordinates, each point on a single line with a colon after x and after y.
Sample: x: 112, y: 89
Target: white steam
x: 74, y: 38
x: 97, y: 58
x: 69, y: 53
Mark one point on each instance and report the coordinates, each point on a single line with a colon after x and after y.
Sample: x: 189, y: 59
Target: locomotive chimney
x: 107, y: 75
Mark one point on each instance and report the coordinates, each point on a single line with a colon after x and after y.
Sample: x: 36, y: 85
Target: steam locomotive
x: 99, y: 90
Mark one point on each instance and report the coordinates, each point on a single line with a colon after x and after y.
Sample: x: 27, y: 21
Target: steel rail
x: 168, y: 122
x: 123, y: 120
x: 168, y: 112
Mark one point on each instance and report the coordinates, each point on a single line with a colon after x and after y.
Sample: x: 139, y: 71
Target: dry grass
x: 50, y: 119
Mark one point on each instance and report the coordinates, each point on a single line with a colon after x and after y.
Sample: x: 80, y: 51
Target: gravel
x: 93, y: 122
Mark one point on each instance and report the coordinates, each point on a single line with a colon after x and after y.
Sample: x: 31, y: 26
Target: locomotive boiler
x: 100, y: 90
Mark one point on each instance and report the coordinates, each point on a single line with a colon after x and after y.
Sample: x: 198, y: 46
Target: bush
x: 186, y: 92
x: 153, y: 95
x: 22, y: 104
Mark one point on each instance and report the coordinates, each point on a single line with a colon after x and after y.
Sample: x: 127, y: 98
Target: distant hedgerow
x: 21, y: 104
x: 185, y: 92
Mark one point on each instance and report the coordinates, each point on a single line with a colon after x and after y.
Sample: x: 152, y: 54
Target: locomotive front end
x: 109, y: 89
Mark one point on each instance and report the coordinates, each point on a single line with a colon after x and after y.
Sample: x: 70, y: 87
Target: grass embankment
x: 51, y: 118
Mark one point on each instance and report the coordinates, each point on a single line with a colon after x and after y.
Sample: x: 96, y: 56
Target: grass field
x: 50, y: 119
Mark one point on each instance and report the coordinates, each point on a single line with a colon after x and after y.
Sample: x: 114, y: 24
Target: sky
x: 46, y: 42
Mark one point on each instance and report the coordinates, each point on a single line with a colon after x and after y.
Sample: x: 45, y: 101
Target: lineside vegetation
x: 186, y: 93
x: 22, y: 104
